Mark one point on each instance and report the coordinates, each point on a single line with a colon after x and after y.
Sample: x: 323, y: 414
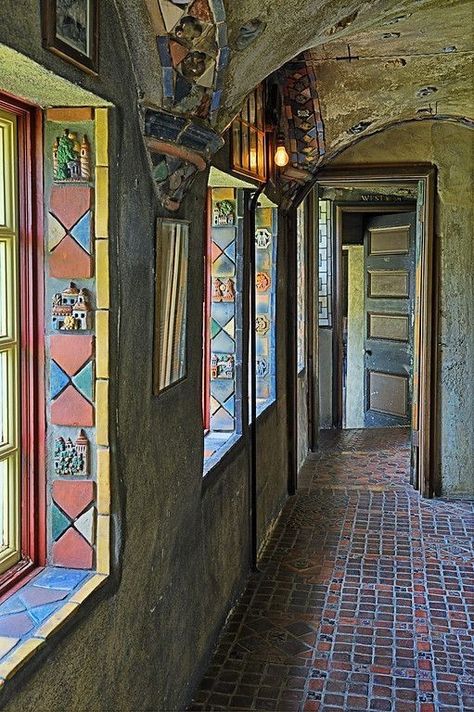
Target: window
x: 265, y: 295
x: 301, y: 286
x: 21, y: 541
x: 325, y: 271
x: 249, y: 138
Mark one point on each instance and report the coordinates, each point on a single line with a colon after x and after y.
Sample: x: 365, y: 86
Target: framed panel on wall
x: 70, y: 29
x: 171, y: 292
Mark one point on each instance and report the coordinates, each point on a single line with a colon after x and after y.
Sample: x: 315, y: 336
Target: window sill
x: 221, y: 458
x: 264, y: 406
x: 36, y: 611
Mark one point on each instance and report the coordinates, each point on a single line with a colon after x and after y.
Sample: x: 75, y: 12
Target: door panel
x: 389, y: 294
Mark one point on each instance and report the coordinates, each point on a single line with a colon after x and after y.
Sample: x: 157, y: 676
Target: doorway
x: 381, y: 363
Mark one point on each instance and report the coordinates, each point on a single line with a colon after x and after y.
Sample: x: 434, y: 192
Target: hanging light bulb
x: 281, y: 157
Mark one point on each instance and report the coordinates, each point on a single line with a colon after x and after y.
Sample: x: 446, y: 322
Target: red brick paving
x: 365, y: 596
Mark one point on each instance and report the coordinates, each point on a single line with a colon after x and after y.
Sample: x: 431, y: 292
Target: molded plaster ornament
x: 262, y: 281
x: 223, y: 291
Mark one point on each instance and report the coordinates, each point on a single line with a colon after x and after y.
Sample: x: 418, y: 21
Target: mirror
x: 171, y: 291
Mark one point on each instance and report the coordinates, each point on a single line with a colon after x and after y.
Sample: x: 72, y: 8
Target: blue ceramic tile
x: 164, y: 51
x: 182, y: 88
x: 40, y: 613
x: 222, y: 389
x: 81, y: 232
x: 12, y: 605
x: 229, y: 405
x: 65, y: 579
x: 221, y: 420
x: 84, y: 380
x: 223, y: 312
x: 223, y: 236
x: 58, y: 380
x: 223, y: 344
x: 163, y: 126
x: 216, y: 100
x: 223, y: 267
x: 168, y: 75
x: 230, y: 251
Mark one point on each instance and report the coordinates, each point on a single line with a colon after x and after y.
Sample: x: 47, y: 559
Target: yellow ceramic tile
x: 6, y: 644
x: 223, y: 194
x: 19, y: 657
x: 103, y: 545
x: 69, y: 113
x: 101, y: 137
x: 102, y: 273
x: 264, y: 217
x: 103, y: 481
x: 102, y: 344
x: 89, y: 587
x: 57, y: 620
x: 102, y: 412
x: 101, y: 201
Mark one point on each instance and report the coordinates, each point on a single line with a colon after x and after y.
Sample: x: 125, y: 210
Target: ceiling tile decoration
x: 191, y: 46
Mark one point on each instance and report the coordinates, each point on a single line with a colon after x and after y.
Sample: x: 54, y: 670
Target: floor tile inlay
x: 364, y: 599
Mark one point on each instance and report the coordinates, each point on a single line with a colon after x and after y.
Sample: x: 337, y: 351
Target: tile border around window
x: 54, y: 594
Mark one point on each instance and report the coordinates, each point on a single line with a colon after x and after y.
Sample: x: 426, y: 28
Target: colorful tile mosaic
x: 265, y: 295
x: 363, y: 598
x: 223, y: 310
x: 72, y: 380
x: 70, y: 232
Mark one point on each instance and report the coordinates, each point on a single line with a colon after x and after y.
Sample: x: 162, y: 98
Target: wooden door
x: 389, y: 245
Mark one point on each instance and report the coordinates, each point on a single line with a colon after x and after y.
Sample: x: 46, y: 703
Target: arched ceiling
x: 356, y: 67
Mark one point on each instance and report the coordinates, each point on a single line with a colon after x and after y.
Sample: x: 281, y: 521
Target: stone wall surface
x: 450, y: 148
x: 180, y: 548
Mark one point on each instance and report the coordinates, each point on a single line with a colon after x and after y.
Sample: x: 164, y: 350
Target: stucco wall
x: 450, y: 147
x: 325, y: 378
x: 180, y: 548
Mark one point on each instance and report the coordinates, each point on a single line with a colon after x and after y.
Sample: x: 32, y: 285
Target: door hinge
x: 415, y: 438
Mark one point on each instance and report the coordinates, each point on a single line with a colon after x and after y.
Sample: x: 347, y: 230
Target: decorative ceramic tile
x: 71, y: 157
x: 71, y: 309
x: 69, y: 259
x: 71, y: 408
x: 71, y: 353
x: 72, y: 550
x: 262, y: 281
x: 69, y: 203
x: 73, y: 497
x: 71, y: 459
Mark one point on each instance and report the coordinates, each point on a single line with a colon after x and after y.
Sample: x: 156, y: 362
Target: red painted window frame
x: 206, y: 313
x: 33, y: 475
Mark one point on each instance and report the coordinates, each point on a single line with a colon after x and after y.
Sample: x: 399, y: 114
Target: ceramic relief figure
x: 262, y: 324
x: 217, y: 290
x: 222, y: 366
x: 228, y: 291
x: 71, y: 158
x: 223, y: 213
x: 71, y: 459
x: 71, y: 310
x: 262, y: 281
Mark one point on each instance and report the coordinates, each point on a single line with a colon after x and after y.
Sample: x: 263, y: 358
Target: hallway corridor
x: 365, y: 598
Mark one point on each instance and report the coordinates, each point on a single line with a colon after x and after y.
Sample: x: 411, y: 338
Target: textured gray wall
x: 182, y: 547
x: 450, y: 147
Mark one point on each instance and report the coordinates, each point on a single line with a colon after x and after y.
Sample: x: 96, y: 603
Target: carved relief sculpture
x: 71, y: 158
x: 71, y: 310
x: 223, y: 213
x: 262, y: 281
x: 71, y: 459
x: 223, y: 291
x: 222, y: 366
x: 263, y: 238
x: 262, y: 324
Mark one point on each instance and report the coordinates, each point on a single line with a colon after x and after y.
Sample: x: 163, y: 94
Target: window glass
x: 325, y: 266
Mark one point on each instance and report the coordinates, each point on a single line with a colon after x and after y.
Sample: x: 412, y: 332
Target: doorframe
x: 424, y: 410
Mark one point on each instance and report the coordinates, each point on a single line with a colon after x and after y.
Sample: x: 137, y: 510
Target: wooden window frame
x: 31, y: 367
x: 242, y: 125
x: 206, y: 315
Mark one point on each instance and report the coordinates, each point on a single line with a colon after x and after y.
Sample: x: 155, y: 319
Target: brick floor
x: 365, y: 598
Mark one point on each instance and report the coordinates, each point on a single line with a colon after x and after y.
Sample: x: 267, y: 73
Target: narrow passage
x: 365, y: 600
